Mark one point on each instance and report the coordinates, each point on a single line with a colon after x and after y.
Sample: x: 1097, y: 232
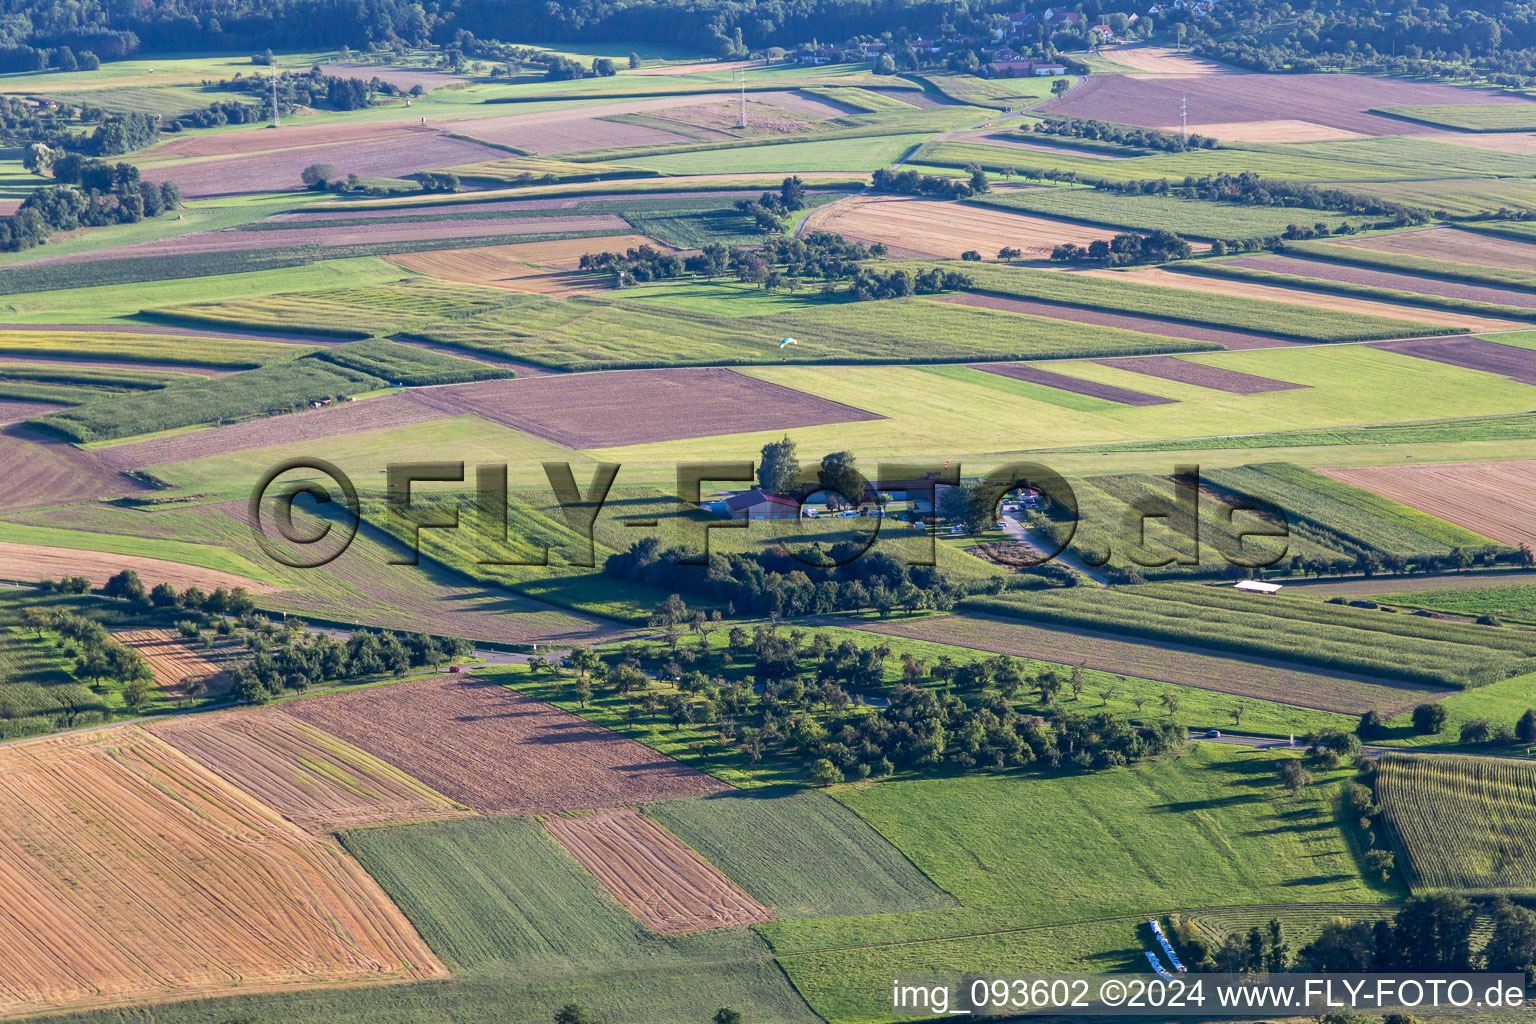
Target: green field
x: 1487, y: 804
x: 501, y: 901
x: 592, y: 333
x: 222, y: 353
x: 1471, y: 117
x: 1192, y: 218
x: 1515, y: 603
x: 1207, y: 828
x: 1499, y: 277
x: 800, y: 854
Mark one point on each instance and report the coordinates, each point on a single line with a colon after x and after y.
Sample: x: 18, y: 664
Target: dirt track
x: 1495, y: 499
x: 309, y: 777
x: 134, y: 875
x: 665, y: 884
x: 495, y: 750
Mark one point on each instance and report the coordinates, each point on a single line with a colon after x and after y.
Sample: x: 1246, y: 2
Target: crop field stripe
x: 1200, y: 375
x: 658, y: 879
x: 1461, y: 823
x: 1077, y: 385
x: 1516, y: 363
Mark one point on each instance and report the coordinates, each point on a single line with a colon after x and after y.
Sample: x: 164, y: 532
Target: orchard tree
x: 776, y: 474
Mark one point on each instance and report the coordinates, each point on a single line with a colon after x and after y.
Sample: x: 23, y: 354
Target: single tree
x: 1294, y: 776
x: 776, y: 474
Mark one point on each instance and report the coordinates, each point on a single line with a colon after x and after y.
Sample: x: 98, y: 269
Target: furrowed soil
x: 1170, y: 663
x: 668, y: 886
x: 498, y: 751
x: 548, y: 268
x: 40, y: 470
x: 1495, y: 499
x: 1473, y: 353
x: 1200, y: 375
x: 1108, y: 392
x: 927, y: 227
x: 1302, y: 297
x: 1451, y: 244
x: 623, y: 407
x: 1125, y: 321
x: 1327, y: 271
x: 132, y: 875
x: 318, y: 782
x: 174, y: 661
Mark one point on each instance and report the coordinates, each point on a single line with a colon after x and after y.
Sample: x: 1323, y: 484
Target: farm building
x: 1257, y: 587
x: 759, y: 504
x: 1023, y: 69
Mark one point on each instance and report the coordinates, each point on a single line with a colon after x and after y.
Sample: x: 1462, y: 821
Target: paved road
x: 1016, y: 531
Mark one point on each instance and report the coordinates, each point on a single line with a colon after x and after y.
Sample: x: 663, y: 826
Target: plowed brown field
x: 40, y: 470
x: 496, y: 750
x: 1199, y: 374
x: 665, y: 884
x: 318, y: 782
x: 12, y: 411
x: 32, y: 562
x: 927, y: 227
x: 623, y: 407
x: 1264, y: 678
x: 1495, y: 499
x: 1302, y: 297
x: 132, y: 874
x: 173, y: 662
x: 1451, y: 244
x: 549, y: 268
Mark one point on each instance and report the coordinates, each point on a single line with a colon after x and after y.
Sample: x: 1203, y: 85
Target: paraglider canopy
x: 789, y: 341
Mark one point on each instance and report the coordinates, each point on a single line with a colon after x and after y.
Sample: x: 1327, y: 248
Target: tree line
x: 1160, y: 246
x: 912, y: 183
x: 298, y: 660
x: 1121, y: 134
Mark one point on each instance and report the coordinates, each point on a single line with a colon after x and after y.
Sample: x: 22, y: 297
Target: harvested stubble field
x: 1076, y: 385
x: 547, y: 268
x: 405, y: 150
x: 290, y: 136
x: 1159, y: 60
x: 1284, y: 130
x: 496, y: 750
x: 1337, y: 101
x: 928, y: 227
x: 41, y: 470
x: 1124, y: 321
x: 662, y: 882
x: 315, y: 780
x: 1200, y: 375
x: 1495, y: 499
x: 174, y: 662
x: 1511, y: 361
x: 625, y: 407
x: 1327, y: 271
x: 404, y: 77
x: 1228, y: 287
x: 1454, y: 245
x: 133, y: 874
x: 345, y: 419
x: 32, y: 562
x: 1461, y: 822
x: 1263, y: 678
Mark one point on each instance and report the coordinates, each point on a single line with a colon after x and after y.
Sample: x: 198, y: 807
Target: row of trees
x: 302, y: 660
x: 127, y: 586
x: 913, y: 183
x: 313, y: 88
x: 1251, y: 188
x: 1128, y: 247
x: 1121, y: 134
x: 767, y: 212
x: 777, y: 583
